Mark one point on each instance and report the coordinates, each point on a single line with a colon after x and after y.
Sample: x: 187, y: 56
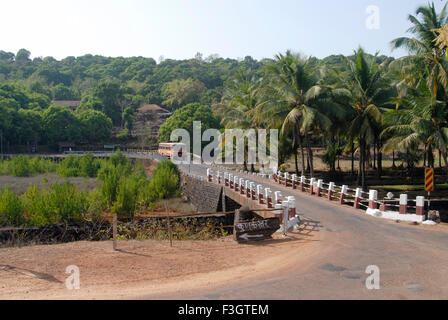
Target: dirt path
x: 144, y: 267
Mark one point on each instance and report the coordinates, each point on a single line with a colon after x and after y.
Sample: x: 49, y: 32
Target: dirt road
x: 144, y: 267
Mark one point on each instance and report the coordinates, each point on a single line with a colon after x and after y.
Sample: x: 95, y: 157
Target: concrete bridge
x: 411, y: 258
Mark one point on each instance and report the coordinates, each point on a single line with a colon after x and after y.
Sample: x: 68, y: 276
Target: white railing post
x: 268, y: 194
x: 312, y: 181
x: 260, y: 193
x: 302, y: 183
x: 420, y: 206
x: 294, y: 181
x: 403, y: 203
x: 278, y: 197
x: 373, y: 198
x: 358, y: 196
x: 344, y: 190
x: 292, y: 207
x: 330, y: 191
x: 320, y: 184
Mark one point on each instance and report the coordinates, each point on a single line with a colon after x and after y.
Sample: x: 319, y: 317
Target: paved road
x: 412, y: 260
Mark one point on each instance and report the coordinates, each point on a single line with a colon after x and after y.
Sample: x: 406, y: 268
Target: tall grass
x: 22, y: 166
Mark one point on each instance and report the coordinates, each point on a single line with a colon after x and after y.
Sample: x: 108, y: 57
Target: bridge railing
x: 400, y: 209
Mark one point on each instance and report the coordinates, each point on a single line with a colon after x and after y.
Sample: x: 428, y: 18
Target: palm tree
x: 426, y: 56
x: 239, y: 104
x: 298, y: 101
x: 366, y: 88
x: 419, y: 119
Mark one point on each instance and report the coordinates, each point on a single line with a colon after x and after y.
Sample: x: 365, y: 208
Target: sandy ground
x: 144, y: 267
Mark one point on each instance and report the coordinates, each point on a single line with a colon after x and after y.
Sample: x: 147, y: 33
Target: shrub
x: 165, y: 182
x: 20, y: 166
x: 127, y: 196
x: 11, y: 209
x: 69, y: 167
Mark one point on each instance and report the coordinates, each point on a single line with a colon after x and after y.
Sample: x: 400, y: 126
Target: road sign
x: 256, y: 230
x: 429, y: 180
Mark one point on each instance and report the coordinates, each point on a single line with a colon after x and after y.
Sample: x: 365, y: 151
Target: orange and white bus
x: 167, y: 149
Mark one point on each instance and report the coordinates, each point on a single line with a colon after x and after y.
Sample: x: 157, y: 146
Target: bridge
x: 411, y: 258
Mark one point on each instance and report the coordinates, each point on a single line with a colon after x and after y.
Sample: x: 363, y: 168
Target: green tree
x: 60, y: 124
x: 95, y: 126
x: 180, y: 92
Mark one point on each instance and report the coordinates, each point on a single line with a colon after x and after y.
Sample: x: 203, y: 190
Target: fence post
x: 226, y: 179
x: 252, y: 190
x: 302, y: 183
x: 320, y: 184
x: 294, y: 181
x: 403, y: 203
x: 279, y: 177
x: 268, y: 194
x: 241, y: 186
x: 260, y: 193
x: 247, y: 188
x: 231, y: 181
x: 343, y: 194
x: 292, y: 207
x: 330, y: 191
x: 209, y: 175
x: 312, y: 181
x: 218, y: 174
x: 278, y: 197
x: 236, y: 220
x: 420, y: 204
x: 373, y: 197
x: 358, y: 195
x: 286, y: 179
x: 235, y: 183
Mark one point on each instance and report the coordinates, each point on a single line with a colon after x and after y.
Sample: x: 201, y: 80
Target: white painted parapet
x: 420, y: 206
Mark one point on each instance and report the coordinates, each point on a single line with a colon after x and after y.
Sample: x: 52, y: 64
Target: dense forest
x: 364, y: 105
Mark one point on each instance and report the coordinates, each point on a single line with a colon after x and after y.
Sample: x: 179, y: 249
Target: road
x: 412, y: 260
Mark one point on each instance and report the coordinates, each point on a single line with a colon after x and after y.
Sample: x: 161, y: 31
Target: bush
x: 20, y: 166
x: 61, y: 203
x: 127, y: 196
x: 165, y: 182
x: 11, y: 209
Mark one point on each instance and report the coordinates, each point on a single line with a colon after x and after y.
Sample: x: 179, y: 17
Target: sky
x: 178, y: 29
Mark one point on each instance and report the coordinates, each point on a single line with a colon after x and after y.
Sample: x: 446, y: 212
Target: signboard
x: 429, y: 180
x: 256, y: 230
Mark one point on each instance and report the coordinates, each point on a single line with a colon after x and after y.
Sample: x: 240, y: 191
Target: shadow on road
x: 29, y: 273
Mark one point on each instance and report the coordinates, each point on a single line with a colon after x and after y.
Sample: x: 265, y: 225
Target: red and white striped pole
x: 403, y: 203
x: 268, y: 194
x: 344, y: 190
x: 302, y: 183
x: 330, y: 191
x: 286, y: 178
x: 320, y: 185
x: 358, y: 196
x: 312, y: 181
x: 252, y: 190
x: 260, y: 194
x: 420, y: 206
x: 209, y: 175
x: 278, y: 197
x: 373, y: 198
x: 292, y: 207
x: 294, y: 181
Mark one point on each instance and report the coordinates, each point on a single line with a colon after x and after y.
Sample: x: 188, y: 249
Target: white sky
x: 179, y: 28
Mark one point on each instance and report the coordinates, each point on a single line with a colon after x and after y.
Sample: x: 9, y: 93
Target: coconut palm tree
x: 367, y: 90
x: 297, y: 100
x: 426, y: 57
x: 420, y: 119
x: 239, y: 103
